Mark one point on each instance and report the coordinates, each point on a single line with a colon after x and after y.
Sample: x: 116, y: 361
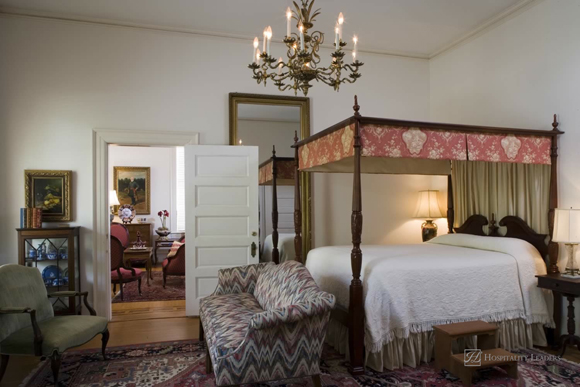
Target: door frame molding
x: 102, y: 138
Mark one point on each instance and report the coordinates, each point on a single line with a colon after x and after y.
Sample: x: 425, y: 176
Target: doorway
x: 147, y: 202
x: 102, y: 138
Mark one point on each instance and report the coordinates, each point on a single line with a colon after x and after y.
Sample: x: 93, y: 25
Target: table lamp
x: 567, y: 231
x: 428, y: 209
x: 113, y: 201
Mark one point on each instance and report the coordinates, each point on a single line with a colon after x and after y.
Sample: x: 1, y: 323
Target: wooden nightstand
x: 569, y: 288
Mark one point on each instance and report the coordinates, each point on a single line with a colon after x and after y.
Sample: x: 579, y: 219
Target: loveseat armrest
x: 72, y: 293
x: 323, y: 303
x: 35, y: 328
x: 241, y: 279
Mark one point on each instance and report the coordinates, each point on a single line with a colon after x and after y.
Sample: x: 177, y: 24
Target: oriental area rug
x: 181, y: 364
x: 174, y: 289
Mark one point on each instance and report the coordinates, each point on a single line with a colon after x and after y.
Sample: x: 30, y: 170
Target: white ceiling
x: 269, y: 113
x: 409, y: 27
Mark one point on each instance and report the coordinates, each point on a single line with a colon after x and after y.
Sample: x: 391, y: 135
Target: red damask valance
x: 285, y: 168
x: 509, y: 149
x: 394, y: 142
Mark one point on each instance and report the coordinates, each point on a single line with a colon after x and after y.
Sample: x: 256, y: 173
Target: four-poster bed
x: 277, y: 171
x: 374, y: 145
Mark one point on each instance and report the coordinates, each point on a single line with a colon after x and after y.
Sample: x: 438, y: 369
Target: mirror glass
x: 266, y: 126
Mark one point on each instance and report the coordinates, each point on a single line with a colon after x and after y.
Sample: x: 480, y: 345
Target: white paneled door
x: 221, y: 209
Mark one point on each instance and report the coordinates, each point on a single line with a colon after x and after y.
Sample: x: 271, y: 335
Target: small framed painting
x: 133, y: 187
x: 50, y: 191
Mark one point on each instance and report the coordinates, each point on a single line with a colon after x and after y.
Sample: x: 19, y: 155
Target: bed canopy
x: 276, y: 171
x: 385, y: 146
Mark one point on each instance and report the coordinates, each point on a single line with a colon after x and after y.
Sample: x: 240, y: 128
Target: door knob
x: 254, y: 248
x: 254, y: 233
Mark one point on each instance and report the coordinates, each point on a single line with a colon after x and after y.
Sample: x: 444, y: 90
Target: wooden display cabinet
x: 56, y: 254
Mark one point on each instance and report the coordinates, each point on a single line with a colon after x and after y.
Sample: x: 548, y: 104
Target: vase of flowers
x: 163, y: 231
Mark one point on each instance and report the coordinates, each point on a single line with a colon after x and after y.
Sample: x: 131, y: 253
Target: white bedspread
x: 453, y: 278
x: 285, y: 247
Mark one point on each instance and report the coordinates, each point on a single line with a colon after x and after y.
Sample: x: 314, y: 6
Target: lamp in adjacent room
x: 567, y: 231
x: 113, y: 201
x: 428, y: 209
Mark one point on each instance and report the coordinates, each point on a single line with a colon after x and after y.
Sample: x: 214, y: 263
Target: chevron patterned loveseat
x: 265, y: 322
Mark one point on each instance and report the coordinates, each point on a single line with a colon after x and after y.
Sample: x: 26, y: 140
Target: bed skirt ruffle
x: 419, y: 347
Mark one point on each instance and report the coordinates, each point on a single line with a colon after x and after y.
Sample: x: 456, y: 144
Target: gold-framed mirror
x: 266, y: 120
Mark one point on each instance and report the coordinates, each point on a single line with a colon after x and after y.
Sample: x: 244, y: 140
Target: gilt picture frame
x: 50, y: 190
x: 133, y: 186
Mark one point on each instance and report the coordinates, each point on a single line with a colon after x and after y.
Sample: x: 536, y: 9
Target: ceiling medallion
x: 302, y: 64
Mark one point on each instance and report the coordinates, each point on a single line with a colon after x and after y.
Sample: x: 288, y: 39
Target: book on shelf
x: 31, y: 217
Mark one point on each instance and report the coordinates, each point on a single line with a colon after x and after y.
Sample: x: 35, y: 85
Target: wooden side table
x: 140, y: 255
x: 569, y: 288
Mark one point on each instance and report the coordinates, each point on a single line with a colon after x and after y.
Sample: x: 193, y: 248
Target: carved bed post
x: 297, y: 204
x: 450, y: 210
x: 356, y: 305
x: 553, y: 248
x: 275, y: 251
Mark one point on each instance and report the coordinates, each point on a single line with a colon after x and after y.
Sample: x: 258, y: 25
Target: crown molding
x: 20, y: 13
x: 490, y: 24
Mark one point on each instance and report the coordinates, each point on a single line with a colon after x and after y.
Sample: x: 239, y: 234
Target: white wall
x: 162, y: 164
x: 60, y: 80
x: 518, y: 75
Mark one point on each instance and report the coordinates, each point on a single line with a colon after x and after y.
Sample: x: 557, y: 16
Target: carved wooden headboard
x: 515, y: 228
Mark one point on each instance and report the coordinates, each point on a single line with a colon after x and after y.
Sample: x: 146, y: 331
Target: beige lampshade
x: 428, y: 205
x: 113, y: 199
x: 567, y: 226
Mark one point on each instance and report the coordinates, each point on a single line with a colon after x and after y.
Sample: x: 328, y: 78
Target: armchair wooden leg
x: 55, y: 361
x: 201, y: 333
x: 316, y: 380
x: 3, y: 365
x: 164, y: 280
x: 208, y: 367
x: 121, y: 288
x: 139, y: 285
x: 105, y: 340
x: 115, y: 288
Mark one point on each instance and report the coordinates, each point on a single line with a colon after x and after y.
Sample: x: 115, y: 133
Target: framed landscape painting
x: 50, y: 191
x: 133, y: 187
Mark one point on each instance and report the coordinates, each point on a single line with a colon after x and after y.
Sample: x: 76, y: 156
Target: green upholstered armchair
x: 28, y: 325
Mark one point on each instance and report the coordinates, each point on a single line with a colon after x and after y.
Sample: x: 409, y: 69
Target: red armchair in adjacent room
x: 174, y: 264
x: 119, y: 273
x: 121, y: 233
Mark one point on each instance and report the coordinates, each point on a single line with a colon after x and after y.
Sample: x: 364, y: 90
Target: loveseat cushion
x: 226, y: 319
x: 60, y: 334
x: 289, y: 283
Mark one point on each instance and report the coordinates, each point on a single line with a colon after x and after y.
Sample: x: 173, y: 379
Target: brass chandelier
x: 302, y: 67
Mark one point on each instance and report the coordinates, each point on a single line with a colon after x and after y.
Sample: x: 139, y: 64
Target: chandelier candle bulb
x: 256, y: 45
x: 288, y: 19
x: 265, y: 40
x: 355, y: 41
x: 336, y: 38
x: 340, y: 22
x: 269, y: 36
x: 258, y: 53
x: 280, y: 66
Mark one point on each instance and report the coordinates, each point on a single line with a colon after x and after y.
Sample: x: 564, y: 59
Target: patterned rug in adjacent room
x: 181, y: 364
x: 174, y: 289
